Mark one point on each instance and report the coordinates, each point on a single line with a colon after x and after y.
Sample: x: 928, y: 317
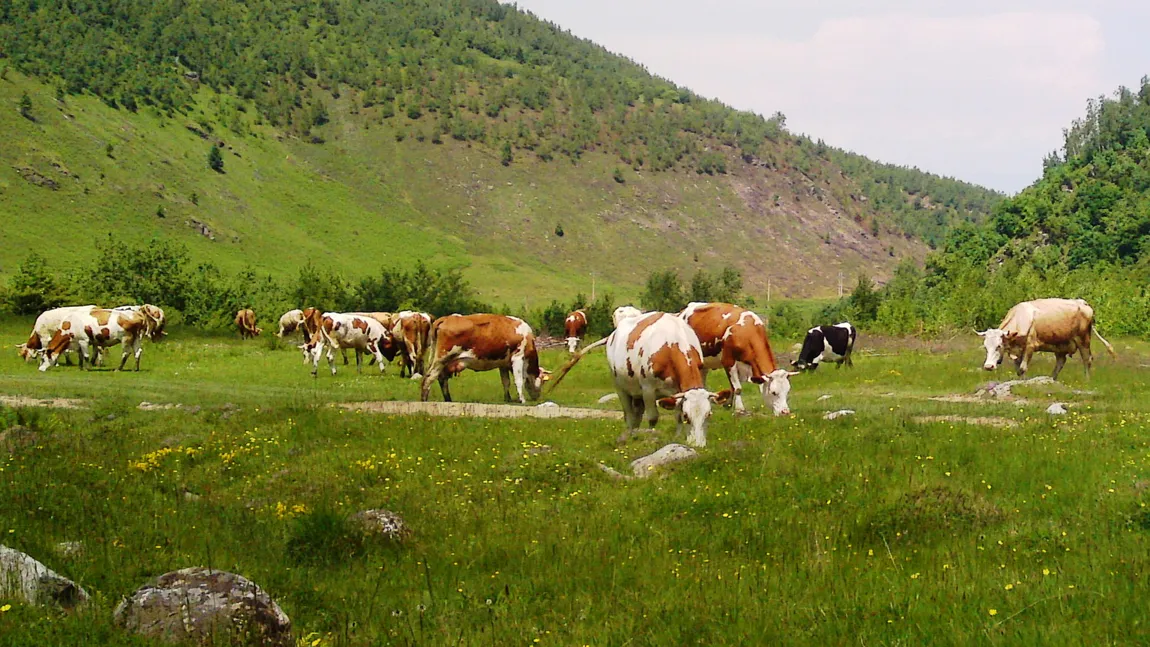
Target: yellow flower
x: 1009, y: 586
x: 1046, y: 571
x: 914, y: 576
x: 6, y: 608
x: 993, y: 612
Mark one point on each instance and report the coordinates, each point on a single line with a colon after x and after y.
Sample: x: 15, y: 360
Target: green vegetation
x: 881, y: 528
x: 389, y: 115
x: 1081, y: 231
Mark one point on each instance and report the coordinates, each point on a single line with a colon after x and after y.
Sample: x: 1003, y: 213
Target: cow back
x: 658, y: 347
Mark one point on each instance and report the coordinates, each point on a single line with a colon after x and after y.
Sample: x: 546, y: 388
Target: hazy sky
x: 979, y: 90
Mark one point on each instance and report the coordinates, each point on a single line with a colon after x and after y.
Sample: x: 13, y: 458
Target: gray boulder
x: 673, y: 453
x: 24, y: 578
x: 200, y: 605
x: 1056, y: 409
x: 838, y: 414
x: 383, y: 522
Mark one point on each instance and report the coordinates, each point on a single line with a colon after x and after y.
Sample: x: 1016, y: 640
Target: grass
x: 363, y: 199
x: 871, y: 529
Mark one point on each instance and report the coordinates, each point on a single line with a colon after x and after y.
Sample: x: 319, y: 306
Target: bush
x: 215, y: 159
x: 33, y: 288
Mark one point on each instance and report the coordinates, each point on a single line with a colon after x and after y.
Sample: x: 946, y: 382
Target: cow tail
x: 1106, y: 343
x: 566, y: 368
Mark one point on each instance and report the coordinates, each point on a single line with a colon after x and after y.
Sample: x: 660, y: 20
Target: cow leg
x: 443, y: 378
x: 847, y: 358
x: 736, y: 387
x: 1087, y: 357
x: 518, y: 370
x: 630, y: 416
x: 650, y: 408
x: 377, y: 355
x: 316, y: 353
x: 343, y: 351
x: 124, y: 354
x: 138, y: 350
x: 505, y: 377
x: 359, y: 361
x: 1059, y: 362
x: 331, y: 358
x: 1024, y: 361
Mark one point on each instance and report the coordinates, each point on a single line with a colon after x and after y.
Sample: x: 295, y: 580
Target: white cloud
x: 981, y: 97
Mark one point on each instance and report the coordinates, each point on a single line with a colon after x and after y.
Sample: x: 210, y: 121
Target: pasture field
x: 874, y: 529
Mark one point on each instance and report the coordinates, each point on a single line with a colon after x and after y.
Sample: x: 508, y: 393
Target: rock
x: 1002, y: 389
x: 416, y: 376
x: 544, y: 405
x: 383, y: 522
x: 203, y: 606
x: 609, y: 397
x: 613, y: 474
x: 825, y: 396
x: 673, y: 453
x: 70, y: 548
x: 1056, y: 409
x: 839, y: 414
x: 25, y: 578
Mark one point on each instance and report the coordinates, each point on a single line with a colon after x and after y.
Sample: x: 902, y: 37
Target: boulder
x: 1056, y: 409
x: 546, y: 405
x: 673, y: 453
x: 200, y: 605
x: 25, y: 578
x: 384, y: 523
x: 838, y: 414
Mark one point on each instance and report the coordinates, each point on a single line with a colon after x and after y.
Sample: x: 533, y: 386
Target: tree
x: 215, y: 159
x: 664, y: 292
x: 505, y: 155
x: 33, y: 288
x: 25, y: 105
x: 864, y: 300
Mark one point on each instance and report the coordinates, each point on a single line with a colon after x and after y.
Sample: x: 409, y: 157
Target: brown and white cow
x: 246, y: 323
x: 411, y: 331
x: 482, y: 342
x: 342, y: 331
x: 45, y: 327
x: 657, y: 361
x: 735, y: 340
x: 1059, y: 326
x: 102, y: 328
x: 290, y: 321
x: 574, y: 327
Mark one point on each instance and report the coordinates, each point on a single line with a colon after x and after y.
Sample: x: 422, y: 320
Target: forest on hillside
x: 1082, y: 230
x: 474, y: 70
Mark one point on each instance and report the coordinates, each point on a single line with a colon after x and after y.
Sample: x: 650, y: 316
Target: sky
x: 978, y: 90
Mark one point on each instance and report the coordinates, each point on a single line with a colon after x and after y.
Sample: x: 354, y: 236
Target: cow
x: 45, y: 327
x: 656, y: 361
x: 103, y: 328
x: 624, y: 312
x: 291, y: 321
x: 574, y: 327
x: 827, y: 343
x: 482, y: 342
x: 344, y: 330
x: 411, y: 331
x: 735, y: 340
x: 1059, y: 326
x: 246, y: 323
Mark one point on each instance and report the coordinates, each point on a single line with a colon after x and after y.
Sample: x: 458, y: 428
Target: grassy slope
x: 873, y: 529
x: 363, y: 200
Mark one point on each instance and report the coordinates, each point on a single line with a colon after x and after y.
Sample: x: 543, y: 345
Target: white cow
x: 341, y: 330
x: 100, y: 328
x: 656, y: 361
x: 45, y: 327
x: 290, y: 321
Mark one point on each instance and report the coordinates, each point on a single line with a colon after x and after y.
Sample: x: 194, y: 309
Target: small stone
x: 204, y: 606
x: 1056, y: 409
x: 416, y: 376
x: 673, y: 453
x: 825, y: 396
x: 545, y: 405
x: 608, y: 398
x: 838, y: 414
x: 383, y: 522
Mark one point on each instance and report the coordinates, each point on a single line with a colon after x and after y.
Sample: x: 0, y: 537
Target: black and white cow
x: 827, y: 344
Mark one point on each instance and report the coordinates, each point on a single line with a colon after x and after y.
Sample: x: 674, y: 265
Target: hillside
x: 469, y: 135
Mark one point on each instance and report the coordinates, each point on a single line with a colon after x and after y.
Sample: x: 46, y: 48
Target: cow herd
x: 656, y: 359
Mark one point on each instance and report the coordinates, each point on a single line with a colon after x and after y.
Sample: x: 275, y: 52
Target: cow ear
x: 758, y: 379
x: 721, y: 397
x: 980, y: 333
x: 794, y: 373
x: 671, y: 402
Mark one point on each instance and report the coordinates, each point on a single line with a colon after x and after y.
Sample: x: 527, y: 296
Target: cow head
x: 154, y: 321
x: 812, y: 352
x: 694, y: 407
x: 624, y: 312
x: 995, y: 341
x: 534, y: 383
x: 49, y: 356
x: 572, y: 344
x: 775, y: 387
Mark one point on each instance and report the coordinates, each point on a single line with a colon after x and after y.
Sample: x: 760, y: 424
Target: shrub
x: 33, y: 288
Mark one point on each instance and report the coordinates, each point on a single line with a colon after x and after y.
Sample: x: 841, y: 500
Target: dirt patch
x: 990, y: 421
x: 52, y: 403
x: 975, y: 399
x: 480, y: 410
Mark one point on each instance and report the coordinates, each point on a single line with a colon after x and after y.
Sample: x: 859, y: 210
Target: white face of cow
x: 572, y: 344
x: 694, y: 409
x: 776, y: 389
x: 535, y: 384
x: 993, y: 340
x: 48, y: 360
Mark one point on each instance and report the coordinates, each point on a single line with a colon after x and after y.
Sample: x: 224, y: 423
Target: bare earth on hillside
x: 53, y: 403
x: 480, y: 410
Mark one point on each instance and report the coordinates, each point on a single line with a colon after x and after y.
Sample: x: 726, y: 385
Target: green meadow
x: 986, y: 523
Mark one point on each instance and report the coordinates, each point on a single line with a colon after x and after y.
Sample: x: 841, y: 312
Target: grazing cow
x: 482, y: 342
x: 246, y: 323
x: 574, y: 327
x: 1059, y: 326
x: 827, y: 343
x: 624, y: 312
x: 656, y: 361
x: 411, y: 331
x: 45, y: 327
x: 341, y: 331
x: 735, y: 340
x: 101, y: 328
x: 291, y: 321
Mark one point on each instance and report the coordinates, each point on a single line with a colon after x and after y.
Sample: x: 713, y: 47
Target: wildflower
x: 1008, y: 587
x: 1046, y: 571
x: 6, y: 608
x: 993, y: 612
x: 914, y: 576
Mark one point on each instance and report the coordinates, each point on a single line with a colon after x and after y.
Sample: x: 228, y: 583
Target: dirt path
x: 55, y: 403
x: 480, y: 410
